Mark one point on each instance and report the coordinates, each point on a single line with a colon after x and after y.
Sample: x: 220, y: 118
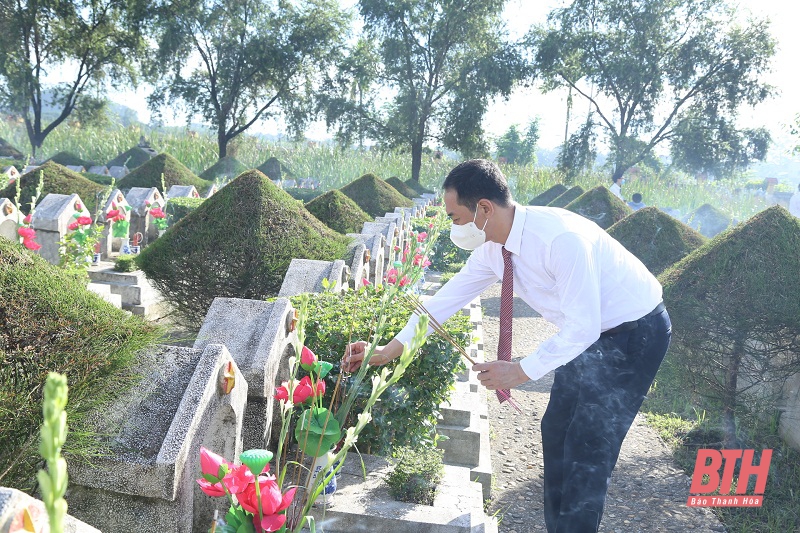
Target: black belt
x: 628, y: 326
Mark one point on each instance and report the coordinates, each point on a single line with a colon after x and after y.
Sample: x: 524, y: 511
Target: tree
x: 255, y: 59
x: 709, y: 143
x: 441, y: 62
x: 94, y: 41
x: 578, y: 153
x: 516, y: 148
x: 642, y: 63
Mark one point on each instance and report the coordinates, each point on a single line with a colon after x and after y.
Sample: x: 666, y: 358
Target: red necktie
x: 506, y: 318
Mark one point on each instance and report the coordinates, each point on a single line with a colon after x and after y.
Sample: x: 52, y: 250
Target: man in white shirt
x: 614, y: 330
x: 616, y: 187
x: 794, y: 203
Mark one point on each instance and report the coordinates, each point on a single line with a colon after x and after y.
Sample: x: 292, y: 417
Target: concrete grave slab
x: 376, y: 244
x: 308, y: 275
x: 116, y: 202
x: 9, y: 219
x: 50, y: 220
x: 142, y: 200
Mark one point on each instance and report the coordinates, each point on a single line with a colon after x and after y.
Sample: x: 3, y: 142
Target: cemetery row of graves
x: 225, y: 259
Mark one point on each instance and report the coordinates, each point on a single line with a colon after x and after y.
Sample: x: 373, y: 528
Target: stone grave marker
x: 50, y: 220
x: 357, y: 257
x: 183, y: 191
x: 211, y: 191
x: 376, y: 245
x: 98, y: 169
x: 142, y: 200
x: 118, y: 172
x: 289, y: 184
x: 8, y: 219
x: 14, y: 503
x: 308, y: 275
x: 187, y: 398
x: 10, y: 172
x: 261, y: 337
x: 387, y: 230
x: 111, y: 240
x: 76, y: 168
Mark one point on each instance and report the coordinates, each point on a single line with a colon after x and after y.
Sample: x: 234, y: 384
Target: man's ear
x: 486, y: 207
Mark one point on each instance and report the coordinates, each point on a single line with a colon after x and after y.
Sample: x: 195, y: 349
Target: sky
x: 526, y: 104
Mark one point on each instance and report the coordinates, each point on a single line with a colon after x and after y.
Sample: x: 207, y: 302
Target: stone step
x: 107, y: 274
x: 104, y: 291
x: 150, y: 311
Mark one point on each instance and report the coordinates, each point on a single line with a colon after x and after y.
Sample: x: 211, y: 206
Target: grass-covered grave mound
x: 175, y: 173
x: 375, y: 196
x: 708, y: 220
x: 238, y: 244
x: 338, y: 212
x: 70, y: 159
x: 52, y: 323
x: 600, y: 206
x: 225, y: 169
x: 6, y: 150
x: 735, y: 309
x: 567, y: 197
x: 657, y: 239
x: 402, y: 188
x: 132, y: 158
x: 417, y: 186
x: 549, y: 195
x: 303, y: 194
x: 274, y: 169
x: 58, y: 180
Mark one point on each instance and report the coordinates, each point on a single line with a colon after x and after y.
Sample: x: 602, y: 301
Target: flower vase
x: 96, y: 258
x: 125, y: 247
x: 161, y: 232
x: 325, y: 498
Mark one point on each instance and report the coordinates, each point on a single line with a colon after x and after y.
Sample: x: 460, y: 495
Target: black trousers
x: 593, y: 402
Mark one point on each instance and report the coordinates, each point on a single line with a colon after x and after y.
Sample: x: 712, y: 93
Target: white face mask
x: 468, y: 236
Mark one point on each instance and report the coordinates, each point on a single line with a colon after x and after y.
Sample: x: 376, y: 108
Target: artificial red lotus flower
x: 302, y: 391
x: 84, y: 221
x: 307, y: 357
x: 405, y: 281
x: 112, y: 214
x: 30, y: 244
x: 306, y: 385
x: 282, y: 392
x: 396, y: 248
x: 320, y: 387
x: 422, y: 236
x: 215, y: 490
x: 239, y: 478
x: 391, y: 276
x: 214, y: 467
x: 26, y: 233
x: 157, y: 212
x: 120, y: 217
x: 27, y: 219
x: 272, y: 503
x: 73, y: 225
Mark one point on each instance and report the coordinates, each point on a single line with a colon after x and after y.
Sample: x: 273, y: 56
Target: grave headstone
x: 387, y: 230
x: 183, y: 191
x: 376, y: 245
x: 288, y: 184
x: 142, y: 200
x: 76, y: 168
x: 211, y: 191
x: 98, y: 169
x: 261, y: 337
x: 118, y: 172
x: 187, y: 398
x: 8, y: 219
x: 357, y: 258
x: 399, y: 235
x: 50, y: 220
x: 111, y: 240
x: 309, y: 275
x: 10, y: 172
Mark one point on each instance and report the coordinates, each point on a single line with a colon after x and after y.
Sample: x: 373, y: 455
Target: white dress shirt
x: 566, y: 268
x: 616, y: 190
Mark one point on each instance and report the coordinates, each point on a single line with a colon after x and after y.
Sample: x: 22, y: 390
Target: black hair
x: 478, y: 179
x: 637, y: 198
x: 614, y: 180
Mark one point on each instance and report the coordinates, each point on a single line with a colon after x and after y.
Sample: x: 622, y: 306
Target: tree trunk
x: 222, y: 142
x: 619, y: 170
x: 731, y: 388
x: 416, y: 159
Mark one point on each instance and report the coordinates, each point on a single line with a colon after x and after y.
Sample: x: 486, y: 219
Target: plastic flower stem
x: 53, y: 481
x: 260, y: 508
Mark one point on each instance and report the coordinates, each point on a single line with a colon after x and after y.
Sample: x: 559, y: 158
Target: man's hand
x: 500, y: 374
x: 355, y: 352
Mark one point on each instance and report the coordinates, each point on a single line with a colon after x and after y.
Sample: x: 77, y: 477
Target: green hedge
x: 177, y: 208
x: 338, y: 212
x: 416, y: 473
x: 51, y: 323
x: 57, y: 179
x: 600, y: 206
x: 375, y: 196
x: 304, y: 195
x: 407, y: 413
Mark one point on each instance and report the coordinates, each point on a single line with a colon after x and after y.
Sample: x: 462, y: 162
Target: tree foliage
x: 441, y: 61
x: 92, y: 41
x: 578, y: 153
x: 257, y: 59
x: 643, y: 64
x: 518, y: 148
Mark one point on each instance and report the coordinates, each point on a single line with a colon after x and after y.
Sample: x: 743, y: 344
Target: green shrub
x: 416, y: 473
x: 51, y: 323
x: 568, y: 196
x: 100, y: 179
x: 304, y: 195
x: 549, y: 195
x: 402, y: 188
x: 68, y: 158
x: 177, y: 208
x: 8, y: 151
x: 708, y: 220
x: 338, y: 212
x: 237, y: 244
x: 408, y: 412
x: 125, y: 263
x: 600, y: 206
x: 149, y: 175
x: 417, y: 186
x: 226, y: 169
x: 57, y: 179
x: 375, y: 196
x: 132, y: 158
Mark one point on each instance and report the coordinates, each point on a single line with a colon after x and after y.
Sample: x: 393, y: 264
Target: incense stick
x: 416, y: 305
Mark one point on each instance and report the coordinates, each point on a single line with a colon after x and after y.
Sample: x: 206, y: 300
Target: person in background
x: 636, y: 202
x: 794, y: 203
x: 616, y: 187
x: 613, y: 330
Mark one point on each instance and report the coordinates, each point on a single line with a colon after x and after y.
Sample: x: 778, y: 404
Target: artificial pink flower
x: 147, y: 203
x: 391, y: 276
x: 282, y: 392
x: 30, y: 244
x: 422, y: 236
x: 272, y: 503
x: 26, y: 233
x: 120, y: 217
x: 396, y: 248
x: 84, y: 221
x: 430, y: 226
x: 302, y: 391
x: 73, y: 225
x: 420, y: 260
x: 307, y: 387
x: 157, y: 212
x: 112, y: 214
x: 212, y: 465
x: 215, y: 490
x: 366, y: 282
x: 239, y: 478
x: 307, y: 357
x: 405, y: 281
x: 27, y: 219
